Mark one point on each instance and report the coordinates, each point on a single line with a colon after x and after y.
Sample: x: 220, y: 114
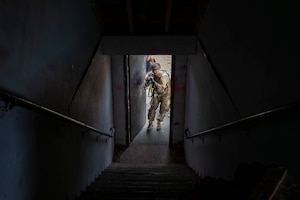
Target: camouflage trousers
x: 164, y: 102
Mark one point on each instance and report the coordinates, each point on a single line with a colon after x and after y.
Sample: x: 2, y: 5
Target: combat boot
x: 149, y: 126
x: 158, y: 126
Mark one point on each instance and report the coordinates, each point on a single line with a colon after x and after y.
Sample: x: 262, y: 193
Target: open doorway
x: 147, y: 147
x: 143, y: 147
x: 155, y: 136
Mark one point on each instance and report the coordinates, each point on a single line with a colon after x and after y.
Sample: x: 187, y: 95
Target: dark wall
x: 49, y: 55
x: 42, y: 41
x: 246, y: 64
x: 253, y: 46
x: 119, y: 99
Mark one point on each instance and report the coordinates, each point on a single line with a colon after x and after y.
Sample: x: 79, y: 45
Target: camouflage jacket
x: 162, y: 84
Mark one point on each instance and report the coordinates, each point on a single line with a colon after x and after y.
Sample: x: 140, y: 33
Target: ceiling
x: 138, y: 17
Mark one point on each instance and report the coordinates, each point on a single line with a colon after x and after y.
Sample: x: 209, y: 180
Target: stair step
x: 139, y: 188
x: 172, y: 182
x: 144, y: 178
x: 127, y: 181
x: 136, y: 195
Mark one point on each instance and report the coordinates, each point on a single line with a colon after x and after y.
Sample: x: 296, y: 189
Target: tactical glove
x: 152, y: 80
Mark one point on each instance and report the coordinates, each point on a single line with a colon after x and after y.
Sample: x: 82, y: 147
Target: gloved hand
x: 152, y: 80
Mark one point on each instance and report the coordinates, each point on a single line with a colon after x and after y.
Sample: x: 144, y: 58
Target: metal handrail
x: 240, y: 121
x: 15, y: 100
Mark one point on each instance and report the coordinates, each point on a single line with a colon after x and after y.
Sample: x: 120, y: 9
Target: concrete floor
x: 154, y: 137
x: 152, y: 147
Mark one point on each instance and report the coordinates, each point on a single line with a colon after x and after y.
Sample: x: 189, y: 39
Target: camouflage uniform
x: 161, y: 94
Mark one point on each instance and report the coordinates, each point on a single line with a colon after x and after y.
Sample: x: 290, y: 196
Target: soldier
x: 161, y: 95
x: 149, y: 61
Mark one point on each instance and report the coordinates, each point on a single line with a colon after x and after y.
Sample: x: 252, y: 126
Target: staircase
x: 128, y: 181
x: 157, y: 172
x: 122, y: 181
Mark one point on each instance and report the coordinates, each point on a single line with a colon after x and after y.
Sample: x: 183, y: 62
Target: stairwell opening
x: 139, y: 101
x: 147, y: 147
x: 155, y: 136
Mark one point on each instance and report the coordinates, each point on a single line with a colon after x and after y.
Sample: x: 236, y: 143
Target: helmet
x: 155, y: 66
